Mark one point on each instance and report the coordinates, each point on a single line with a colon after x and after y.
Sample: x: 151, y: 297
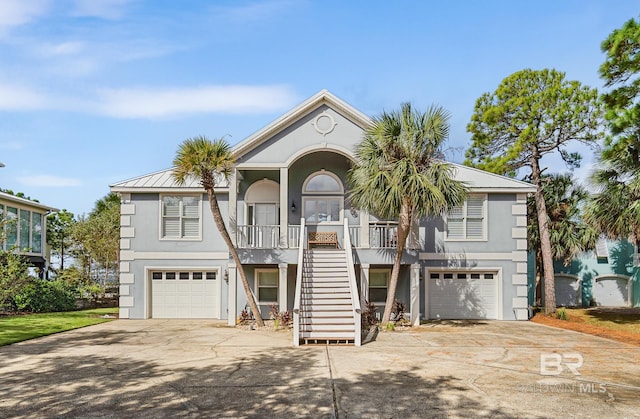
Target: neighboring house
x: 605, y: 277
x: 471, y: 264
x: 25, y: 229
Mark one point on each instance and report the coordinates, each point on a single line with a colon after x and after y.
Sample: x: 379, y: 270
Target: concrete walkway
x: 162, y: 368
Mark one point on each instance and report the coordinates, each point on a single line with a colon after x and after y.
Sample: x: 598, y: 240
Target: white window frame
x: 161, y: 218
x: 257, y: 273
x: 378, y: 270
x: 19, y: 231
x: 327, y: 196
x: 465, y: 218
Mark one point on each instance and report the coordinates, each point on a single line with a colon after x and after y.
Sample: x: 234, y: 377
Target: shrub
x: 245, y: 317
x: 562, y: 314
x: 14, y: 277
x: 46, y: 296
x: 369, y: 316
x: 398, y: 312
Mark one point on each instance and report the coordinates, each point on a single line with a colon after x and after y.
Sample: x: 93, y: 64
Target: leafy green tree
x: 207, y: 160
x: 569, y: 234
x: 59, y: 227
x: 532, y: 114
x: 398, y: 174
x: 98, y: 236
x: 615, y: 208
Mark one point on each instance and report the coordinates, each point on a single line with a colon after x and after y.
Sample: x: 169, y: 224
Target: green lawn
x: 624, y: 319
x: 23, y: 327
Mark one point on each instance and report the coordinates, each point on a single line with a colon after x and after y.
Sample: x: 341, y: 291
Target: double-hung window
x: 468, y: 221
x: 378, y: 285
x: 180, y: 217
x: 267, y: 285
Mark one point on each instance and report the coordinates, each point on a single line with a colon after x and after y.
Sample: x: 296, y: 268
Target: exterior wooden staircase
x: 327, y: 308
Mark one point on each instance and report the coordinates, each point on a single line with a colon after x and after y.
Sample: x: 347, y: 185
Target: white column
x: 233, y: 296
x: 233, y: 205
x: 415, y: 294
x: 284, y: 206
x: 364, y: 229
x: 282, y: 287
x: 364, y: 284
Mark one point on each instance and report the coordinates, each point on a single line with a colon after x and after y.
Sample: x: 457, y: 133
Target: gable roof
x: 26, y: 202
x: 162, y: 181
x: 480, y: 181
x: 323, y: 97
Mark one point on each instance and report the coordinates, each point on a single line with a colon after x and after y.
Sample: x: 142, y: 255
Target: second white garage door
x: 463, y: 295
x: 184, y: 294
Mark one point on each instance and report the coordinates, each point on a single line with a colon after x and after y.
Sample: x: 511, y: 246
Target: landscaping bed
x: 618, y: 323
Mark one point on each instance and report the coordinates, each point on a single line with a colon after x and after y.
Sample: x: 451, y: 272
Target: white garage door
x: 463, y: 295
x: 568, y: 290
x: 611, y: 291
x: 184, y: 294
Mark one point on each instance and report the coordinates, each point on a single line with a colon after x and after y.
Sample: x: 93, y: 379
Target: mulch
x: 580, y: 326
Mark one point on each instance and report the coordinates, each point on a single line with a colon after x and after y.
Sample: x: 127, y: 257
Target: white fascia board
x: 26, y: 202
x: 165, y: 190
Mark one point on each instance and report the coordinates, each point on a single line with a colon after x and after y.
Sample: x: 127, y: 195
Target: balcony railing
x: 258, y: 237
x: 383, y: 236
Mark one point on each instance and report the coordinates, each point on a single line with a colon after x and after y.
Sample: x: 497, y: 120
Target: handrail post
x: 355, y: 298
x: 296, y: 302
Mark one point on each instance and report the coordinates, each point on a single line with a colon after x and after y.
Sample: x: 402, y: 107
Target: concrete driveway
x: 157, y: 368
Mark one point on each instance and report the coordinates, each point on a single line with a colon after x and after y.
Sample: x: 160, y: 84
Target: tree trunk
x: 539, y: 275
x: 404, y: 225
x: 545, y: 240
x: 217, y: 217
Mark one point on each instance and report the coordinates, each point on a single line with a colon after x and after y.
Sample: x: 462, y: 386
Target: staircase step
x: 326, y: 268
x: 326, y: 320
x: 326, y: 298
x: 326, y: 335
x: 310, y: 293
x: 326, y: 301
x: 318, y: 314
x: 327, y: 328
x: 325, y: 284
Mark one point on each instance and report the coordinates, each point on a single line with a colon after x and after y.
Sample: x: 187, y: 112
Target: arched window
x: 322, y: 198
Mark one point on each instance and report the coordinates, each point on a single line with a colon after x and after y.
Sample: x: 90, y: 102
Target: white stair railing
x: 296, y: 302
x: 355, y: 298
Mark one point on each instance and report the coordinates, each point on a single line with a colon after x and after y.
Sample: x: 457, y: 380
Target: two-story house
x: 288, y: 185
x: 24, y: 229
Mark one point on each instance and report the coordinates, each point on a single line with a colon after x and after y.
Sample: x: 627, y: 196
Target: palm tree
x: 399, y: 174
x: 568, y: 232
x: 615, y: 208
x: 208, y: 161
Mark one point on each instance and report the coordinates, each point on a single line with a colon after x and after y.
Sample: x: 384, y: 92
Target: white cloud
x: 19, y: 98
x: 11, y: 145
x: 105, y: 9
x: 257, y: 11
x: 19, y: 12
x: 61, y: 49
x: 163, y: 103
x: 48, y: 181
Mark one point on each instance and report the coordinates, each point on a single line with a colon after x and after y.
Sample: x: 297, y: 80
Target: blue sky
x: 93, y: 92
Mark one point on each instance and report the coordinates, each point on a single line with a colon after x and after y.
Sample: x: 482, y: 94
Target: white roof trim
x: 320, y: 98
x: 161, y: 181
x: 26, y: 202
x: 479, y: 180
